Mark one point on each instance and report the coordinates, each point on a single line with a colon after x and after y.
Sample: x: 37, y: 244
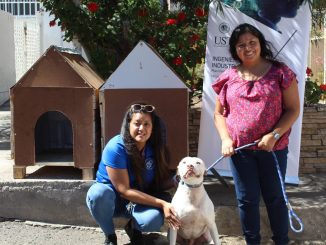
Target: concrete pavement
x: 56, y: 195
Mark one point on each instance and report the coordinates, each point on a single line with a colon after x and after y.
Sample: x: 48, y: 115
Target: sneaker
x: 135, y: 236
x: 111, y: 240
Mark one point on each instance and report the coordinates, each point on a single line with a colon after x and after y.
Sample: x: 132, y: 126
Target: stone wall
x: 313, y: 141
x: 193, y: 131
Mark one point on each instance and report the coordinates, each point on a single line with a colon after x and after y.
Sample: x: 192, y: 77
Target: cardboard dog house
x: 144, y: 76
x: 55, y: 114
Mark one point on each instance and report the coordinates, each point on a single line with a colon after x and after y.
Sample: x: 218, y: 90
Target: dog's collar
x: 191, y: 186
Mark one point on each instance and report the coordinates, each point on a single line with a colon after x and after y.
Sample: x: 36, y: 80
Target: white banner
x: 289, y: 36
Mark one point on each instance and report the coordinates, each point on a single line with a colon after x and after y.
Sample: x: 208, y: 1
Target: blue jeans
x: 255, y: 172
x: 104, y: 204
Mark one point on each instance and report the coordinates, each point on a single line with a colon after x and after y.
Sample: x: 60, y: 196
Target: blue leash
x: 291, y: 213
x: 214, y: 171
x: 210, y: 168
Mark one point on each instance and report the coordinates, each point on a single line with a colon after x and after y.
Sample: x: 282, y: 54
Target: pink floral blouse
x: 252, y: 108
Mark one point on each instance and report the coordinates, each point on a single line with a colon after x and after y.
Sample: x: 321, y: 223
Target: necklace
x: 255, y: 73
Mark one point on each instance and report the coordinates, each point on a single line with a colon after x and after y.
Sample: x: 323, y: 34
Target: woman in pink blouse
x: 257, y: 100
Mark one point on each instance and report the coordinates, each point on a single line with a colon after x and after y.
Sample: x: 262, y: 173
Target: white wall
x: 27, y: 44
x: 22, y: 41
x: 33, y: 36
x: 7, y: 55
x: 53, y: 35
x: 50, y: 35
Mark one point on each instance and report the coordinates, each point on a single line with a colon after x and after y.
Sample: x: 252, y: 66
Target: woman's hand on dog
x: 171, y: 216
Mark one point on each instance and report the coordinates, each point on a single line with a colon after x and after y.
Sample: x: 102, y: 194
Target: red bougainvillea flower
x: 323, y: 87
x: 142, y: 12
x: 200, y: 12
x: 178, y: 61
x: 194, y: 38
x: 92, y: 7
x: 181, y: 16
x: 171, y: 22
x: 309, y: 72
x: 52, y: 23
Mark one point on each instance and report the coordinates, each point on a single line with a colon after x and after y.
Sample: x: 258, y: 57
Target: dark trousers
x: 255, y: 172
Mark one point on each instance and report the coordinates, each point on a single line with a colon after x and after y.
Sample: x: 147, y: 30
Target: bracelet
x: 276, y: 135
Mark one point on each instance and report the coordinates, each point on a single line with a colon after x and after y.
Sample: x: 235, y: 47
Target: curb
x: 63, y: 202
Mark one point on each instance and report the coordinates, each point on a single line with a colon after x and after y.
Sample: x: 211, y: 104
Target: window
x: 20, y: 7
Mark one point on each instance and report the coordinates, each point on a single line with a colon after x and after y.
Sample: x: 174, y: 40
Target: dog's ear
x: 176, y: 178
x: 177, y: 172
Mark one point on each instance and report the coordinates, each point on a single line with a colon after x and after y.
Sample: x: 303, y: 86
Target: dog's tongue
x: 189, y: 173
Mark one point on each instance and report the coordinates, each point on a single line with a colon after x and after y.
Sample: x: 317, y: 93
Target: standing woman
x: 257, y: 100
x: 132, y: 177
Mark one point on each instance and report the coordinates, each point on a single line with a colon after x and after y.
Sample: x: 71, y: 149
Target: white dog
x: 192, y: 204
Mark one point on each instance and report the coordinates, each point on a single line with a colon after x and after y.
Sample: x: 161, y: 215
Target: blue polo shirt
x: 115, y: 155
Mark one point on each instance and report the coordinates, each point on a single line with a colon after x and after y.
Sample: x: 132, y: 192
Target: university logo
x: 224, y: 28
x: 149, y: 163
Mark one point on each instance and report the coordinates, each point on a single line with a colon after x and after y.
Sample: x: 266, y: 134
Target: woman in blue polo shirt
x: 131, y: 178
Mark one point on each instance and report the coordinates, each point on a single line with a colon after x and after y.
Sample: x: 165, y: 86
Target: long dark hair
x: 266, y: 46
x: 158, y: 143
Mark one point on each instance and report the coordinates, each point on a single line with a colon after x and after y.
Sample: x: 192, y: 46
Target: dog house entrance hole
x: 53, y: 140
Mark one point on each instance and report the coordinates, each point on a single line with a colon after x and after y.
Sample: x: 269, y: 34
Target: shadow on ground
x: 56, y: 172
x: 155, y: 238
x: 5, y: 145
x: 5, y: 106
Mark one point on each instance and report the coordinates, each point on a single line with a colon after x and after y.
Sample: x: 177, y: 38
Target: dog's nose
x: 190, y: 167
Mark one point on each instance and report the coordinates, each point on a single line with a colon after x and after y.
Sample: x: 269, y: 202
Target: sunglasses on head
x: 139, y: 108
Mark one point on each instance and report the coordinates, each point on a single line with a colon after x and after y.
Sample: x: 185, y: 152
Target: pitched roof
x: 143, y: 68
x: 60, y: 68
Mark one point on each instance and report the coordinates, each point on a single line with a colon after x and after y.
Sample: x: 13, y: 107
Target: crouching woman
x: 132, y: 178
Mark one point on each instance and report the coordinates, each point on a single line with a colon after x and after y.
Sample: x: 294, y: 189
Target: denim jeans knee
x: 100, y: 200
x: 147, y: 219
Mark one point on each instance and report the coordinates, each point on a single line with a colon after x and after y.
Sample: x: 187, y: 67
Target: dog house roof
x: 143, y: 68
x: 60, y: 68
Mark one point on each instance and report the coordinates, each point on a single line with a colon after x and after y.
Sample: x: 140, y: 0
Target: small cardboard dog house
x: 144, y: 76
x: 55, y: 114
